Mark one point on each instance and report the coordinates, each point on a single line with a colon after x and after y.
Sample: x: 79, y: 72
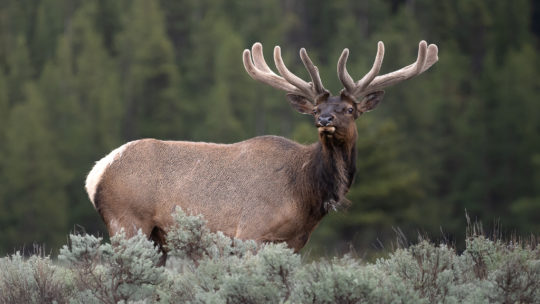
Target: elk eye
x: 350, y: 110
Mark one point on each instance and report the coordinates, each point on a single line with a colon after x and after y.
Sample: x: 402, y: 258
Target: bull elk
x: 267, y: 188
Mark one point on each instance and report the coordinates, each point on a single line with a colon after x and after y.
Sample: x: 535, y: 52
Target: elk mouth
x: 328, y: 130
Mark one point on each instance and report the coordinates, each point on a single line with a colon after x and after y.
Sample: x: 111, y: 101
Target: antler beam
x: 427, y: 56
x: 257, y: 68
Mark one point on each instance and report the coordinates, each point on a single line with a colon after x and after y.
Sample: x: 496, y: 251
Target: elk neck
x: 330, y: 174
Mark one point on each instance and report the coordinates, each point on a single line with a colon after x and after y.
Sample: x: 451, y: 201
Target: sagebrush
x: 210, y: 267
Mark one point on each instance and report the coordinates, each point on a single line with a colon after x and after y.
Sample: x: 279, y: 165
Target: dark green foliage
x: 37, y: 175
x: 78, y: 78
x: 148, y: 72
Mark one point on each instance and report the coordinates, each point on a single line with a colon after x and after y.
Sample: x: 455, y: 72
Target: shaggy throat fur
x: 333, y: 171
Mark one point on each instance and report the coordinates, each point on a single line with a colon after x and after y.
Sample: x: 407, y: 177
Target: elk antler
x: 427, y: 56
x: 259, y: 70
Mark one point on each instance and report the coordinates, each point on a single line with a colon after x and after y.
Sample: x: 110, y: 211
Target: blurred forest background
x: 79, y: 78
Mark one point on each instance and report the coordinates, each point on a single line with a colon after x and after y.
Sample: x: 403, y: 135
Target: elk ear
x: 370, y: 101
x: 300, y: 103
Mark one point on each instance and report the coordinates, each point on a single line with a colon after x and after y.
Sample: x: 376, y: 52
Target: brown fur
x: 268, y: 188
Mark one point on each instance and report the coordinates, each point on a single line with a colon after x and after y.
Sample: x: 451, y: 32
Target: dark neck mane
x: 331, y: 174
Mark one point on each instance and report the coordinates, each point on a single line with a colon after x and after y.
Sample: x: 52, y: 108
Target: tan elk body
x: 268, y: 188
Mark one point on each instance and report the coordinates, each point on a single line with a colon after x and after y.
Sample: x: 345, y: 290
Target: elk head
x: 334, y: 115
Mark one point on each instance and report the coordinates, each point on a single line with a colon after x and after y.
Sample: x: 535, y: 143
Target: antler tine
x: 402, y: 74
x: 258, y: 69
x: 313, y: 72
x: 261, y: 72
x: 375, y: 69
x: 290, y: 77
x: 421, y: 59
x: 427, y: 56
x: 258, y: 58
x: 343, y: 75
x: 431, y: 57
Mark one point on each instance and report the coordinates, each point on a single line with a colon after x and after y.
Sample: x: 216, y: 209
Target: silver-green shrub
x: 122, y: 271
x: 36, y: 280
x: 213, y: 268
x: 206, y: 267
x: 340, y: 280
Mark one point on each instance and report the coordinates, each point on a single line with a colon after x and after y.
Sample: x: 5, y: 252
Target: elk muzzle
x: 325, y: 120
x: 325, y: 124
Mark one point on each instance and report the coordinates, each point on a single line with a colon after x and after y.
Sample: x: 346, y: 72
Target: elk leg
x: 158, y: 236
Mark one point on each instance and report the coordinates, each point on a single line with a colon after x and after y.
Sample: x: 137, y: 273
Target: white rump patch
x: 94, y: 177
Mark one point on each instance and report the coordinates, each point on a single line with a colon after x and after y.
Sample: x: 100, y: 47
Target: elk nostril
x: 325, y: 120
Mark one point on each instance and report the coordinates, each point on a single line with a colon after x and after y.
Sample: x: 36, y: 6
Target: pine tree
x: 34, y: 206
x: 4, y: 114
x: 48, y: 24
x: 512, y: 129
x: 82, y: 89
x: 4, y: 101
x: 19, y: 70
x: 226, y: 98
x: 150, y: 78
